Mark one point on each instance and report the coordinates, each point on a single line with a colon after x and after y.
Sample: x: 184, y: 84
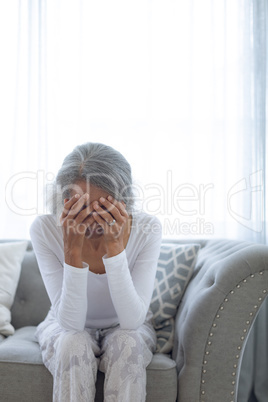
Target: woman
x: 98, y: 263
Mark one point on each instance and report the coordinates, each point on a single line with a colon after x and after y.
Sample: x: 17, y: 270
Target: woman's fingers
x: 112, y: 216
x: 106, y: 216
x: 74, y: 206
x: 120, y: 205
x: 98, y: 219
x: 109, y: 213
x: 68, y: 204
x: 84, y: 214
x: 77, y: 207
x: 112, y: 210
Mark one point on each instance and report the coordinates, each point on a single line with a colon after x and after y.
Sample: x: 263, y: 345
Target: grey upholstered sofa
x: 221, y: 301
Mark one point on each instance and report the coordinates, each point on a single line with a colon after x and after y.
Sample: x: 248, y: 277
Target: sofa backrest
x: 31, y: 303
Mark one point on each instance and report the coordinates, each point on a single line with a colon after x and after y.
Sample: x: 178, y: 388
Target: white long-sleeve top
x: 82, y: 299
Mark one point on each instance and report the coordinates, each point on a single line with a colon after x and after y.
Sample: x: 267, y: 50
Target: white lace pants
x: 73, y: 358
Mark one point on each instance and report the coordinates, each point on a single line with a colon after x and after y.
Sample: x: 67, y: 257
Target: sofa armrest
x: 215, y: 316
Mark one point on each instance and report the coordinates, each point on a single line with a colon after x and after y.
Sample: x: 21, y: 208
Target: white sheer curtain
x: 176, y: 86
x: 179, y: 87
x: 23, y: 102
x: 253, y: 382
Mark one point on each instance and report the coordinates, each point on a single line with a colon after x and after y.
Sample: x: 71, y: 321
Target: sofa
x: 228, y: 285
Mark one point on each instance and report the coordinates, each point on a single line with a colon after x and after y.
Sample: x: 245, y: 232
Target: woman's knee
x: 78, y: 344
x: 128, y: 345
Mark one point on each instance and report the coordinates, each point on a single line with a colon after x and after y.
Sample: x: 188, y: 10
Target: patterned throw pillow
x: 175, y: 267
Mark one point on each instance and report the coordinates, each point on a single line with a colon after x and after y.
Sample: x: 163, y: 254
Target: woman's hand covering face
x: 112, y: 216
x: 101, y: 218
x: 75, y: 220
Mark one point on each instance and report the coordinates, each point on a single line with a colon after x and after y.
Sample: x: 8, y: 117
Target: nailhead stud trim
x: 242, y: 337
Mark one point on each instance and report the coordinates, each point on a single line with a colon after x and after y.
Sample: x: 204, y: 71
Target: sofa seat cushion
x: 162, y: 380
x: 21, y: 347
x: 22, y: 372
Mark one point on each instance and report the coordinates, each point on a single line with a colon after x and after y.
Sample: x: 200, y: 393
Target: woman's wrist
x: 114, y: 248
x: 74, y: 259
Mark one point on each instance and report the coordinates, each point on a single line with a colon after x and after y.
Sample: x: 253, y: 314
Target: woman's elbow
x: 69, y: 325
x: 130, y: 326
x: 133, y: 323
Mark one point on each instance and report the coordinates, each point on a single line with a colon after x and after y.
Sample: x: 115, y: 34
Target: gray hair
x: 99, y: 165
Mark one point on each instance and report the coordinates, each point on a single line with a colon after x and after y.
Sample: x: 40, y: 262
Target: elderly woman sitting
x: 98, y: 259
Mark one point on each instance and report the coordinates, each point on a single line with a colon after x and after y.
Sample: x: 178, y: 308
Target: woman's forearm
x: 131, y: 308
x: 72, y: 308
